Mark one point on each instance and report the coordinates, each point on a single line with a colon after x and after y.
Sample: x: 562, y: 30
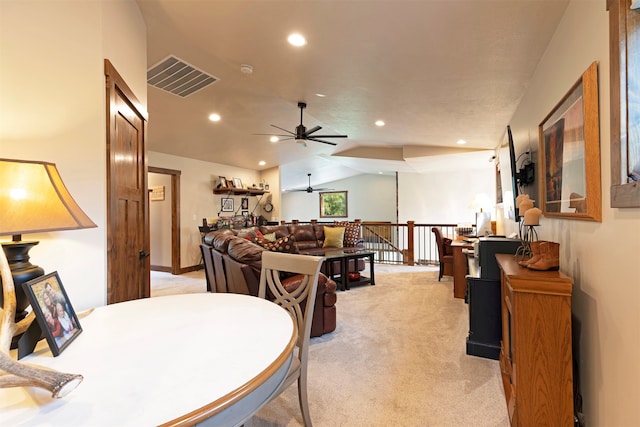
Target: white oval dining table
x: 207, y: 359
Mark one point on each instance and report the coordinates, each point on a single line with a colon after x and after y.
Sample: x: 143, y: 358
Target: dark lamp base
x: 22, y: 271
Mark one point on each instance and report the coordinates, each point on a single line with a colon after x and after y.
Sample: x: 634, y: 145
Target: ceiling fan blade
x: 324, y: 142
x: 271, y: 134
x: 283, y: 129
x: 312, y: 130
x: 330, y: 136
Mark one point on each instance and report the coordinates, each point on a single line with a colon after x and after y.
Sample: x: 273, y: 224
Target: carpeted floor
x: 397, y: 358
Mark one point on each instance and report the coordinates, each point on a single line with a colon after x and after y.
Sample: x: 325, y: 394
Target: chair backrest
x: 219, y: 273
x: 207, y: 258
x: 439, y: 241
x: 299, y: 302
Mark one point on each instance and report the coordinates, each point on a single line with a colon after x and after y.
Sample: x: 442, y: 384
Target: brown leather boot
x: 535, y: 253
x: 550, y: 257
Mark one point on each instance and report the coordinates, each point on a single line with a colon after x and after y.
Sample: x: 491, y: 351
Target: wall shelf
x: 239, y: 191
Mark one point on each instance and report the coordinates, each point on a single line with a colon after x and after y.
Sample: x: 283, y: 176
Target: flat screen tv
x: 514, y: 172
x: 509, y: 177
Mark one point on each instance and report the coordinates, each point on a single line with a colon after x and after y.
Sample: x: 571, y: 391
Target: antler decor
x: 12, y: 372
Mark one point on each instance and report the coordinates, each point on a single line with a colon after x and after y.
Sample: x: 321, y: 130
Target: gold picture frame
x: 569, y: 139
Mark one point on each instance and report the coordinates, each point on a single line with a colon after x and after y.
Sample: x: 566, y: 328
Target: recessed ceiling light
x: 274, y: 139
x: 461, y: 142
x: 214, y: 117
x: 262, y: 163
x: 379, y: 123
x: 296, y: 40
x: 321, y: 95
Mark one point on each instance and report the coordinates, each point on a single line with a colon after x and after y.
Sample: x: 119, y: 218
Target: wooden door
x: 128, y: 266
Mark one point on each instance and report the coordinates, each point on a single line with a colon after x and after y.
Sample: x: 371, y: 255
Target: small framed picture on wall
x: 226, y: 204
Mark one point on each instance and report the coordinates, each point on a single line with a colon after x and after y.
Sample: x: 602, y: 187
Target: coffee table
x: 344, y: 256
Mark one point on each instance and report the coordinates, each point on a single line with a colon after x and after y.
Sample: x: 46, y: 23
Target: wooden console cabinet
x: 535, y: 354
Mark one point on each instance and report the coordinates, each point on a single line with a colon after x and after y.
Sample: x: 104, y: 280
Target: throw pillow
x: 284, y: 244
x: 333, y: 237
x: 270, y: 236
x: 351, y: 233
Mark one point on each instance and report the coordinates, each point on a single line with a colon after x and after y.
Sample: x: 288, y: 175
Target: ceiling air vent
x: 177, y: 77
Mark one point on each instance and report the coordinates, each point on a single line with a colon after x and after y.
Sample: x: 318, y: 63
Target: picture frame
x: 624, y: 70
x: 244, y: 203
x: 156, y: 193
x: 237, y: 182
x: 226, y: 204
x: 569, y: 139
x: 333, y: 204
x: 53, y: 310
x: 223, y: 182
x: 266, y: 187
x: 245, y: 214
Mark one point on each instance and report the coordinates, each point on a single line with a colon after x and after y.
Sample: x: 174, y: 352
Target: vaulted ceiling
x: 434, y: 71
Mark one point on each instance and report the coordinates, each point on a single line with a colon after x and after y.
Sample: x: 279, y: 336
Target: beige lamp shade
x: 532, y: 216
x: 34, y: 199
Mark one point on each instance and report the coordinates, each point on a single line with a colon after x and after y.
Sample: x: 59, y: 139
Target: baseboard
x: 180, y: 271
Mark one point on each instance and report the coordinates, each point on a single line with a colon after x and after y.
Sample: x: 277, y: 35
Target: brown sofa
x: 236, y: 268
x: 309, y: 240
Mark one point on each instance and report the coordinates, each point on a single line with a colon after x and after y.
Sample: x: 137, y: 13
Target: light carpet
x: 396, y: 358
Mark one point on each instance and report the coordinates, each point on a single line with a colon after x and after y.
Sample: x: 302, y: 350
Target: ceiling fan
x: 311, y: 190
x: 302, y: 134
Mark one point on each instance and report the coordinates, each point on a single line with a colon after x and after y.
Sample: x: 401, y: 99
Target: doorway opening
x: 172, y: 227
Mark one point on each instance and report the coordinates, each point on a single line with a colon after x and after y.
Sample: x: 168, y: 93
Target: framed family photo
x: 570, y: 153
x: 53, y: 310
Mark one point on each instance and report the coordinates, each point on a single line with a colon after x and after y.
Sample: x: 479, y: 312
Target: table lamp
x: 34, y: 200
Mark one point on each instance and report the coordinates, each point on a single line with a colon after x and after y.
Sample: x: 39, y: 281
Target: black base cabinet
x: 485, y: 324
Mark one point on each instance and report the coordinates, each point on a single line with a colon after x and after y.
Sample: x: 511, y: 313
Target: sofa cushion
x: 351, y: 233
x: 285, y: 244
x: 280, y: 230
x: 270, y: 236
x: 304, y: 233
x: 245, y: 252
x: 333, y: 237
x: 221, y: 240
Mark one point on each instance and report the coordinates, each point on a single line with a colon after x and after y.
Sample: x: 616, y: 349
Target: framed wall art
x: 333, y: 204
x: 570, y: 153
x: 226, y: 204
x: 624, y: 53
x: 53, y: 310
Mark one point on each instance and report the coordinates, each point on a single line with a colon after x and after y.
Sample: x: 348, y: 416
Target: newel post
x: 409, y: 257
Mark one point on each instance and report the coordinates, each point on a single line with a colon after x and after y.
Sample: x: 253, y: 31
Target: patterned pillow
x: 270, y: 236
x: 351, y: 233
x: 284, y: 244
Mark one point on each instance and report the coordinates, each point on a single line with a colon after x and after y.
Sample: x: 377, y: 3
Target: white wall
x: 160, y: 222
x: 602, y: 258
x: 197, y: 200
x: 52, y: 107
x: 370, y: 197
x: 444, y: 197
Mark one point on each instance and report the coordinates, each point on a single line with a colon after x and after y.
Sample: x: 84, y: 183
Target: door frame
x: 175, y: 216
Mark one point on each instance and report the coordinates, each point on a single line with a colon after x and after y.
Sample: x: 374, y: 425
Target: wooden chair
x: 297, y: 294
x: 209, y: 273
x: 445, y: 252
